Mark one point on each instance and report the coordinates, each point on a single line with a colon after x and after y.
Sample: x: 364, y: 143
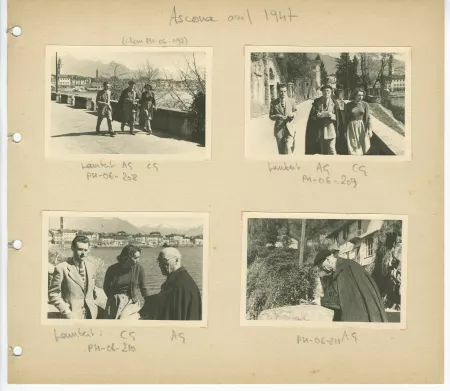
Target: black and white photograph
x: 125, y: 266
x: 304, y: 269
x: 109, y: 101
x: 309, y: 102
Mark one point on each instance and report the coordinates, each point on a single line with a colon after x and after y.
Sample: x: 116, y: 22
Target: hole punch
x: 16, y: 31
x: 16, y: 244
x: 17, y: 137
x: 17, y: 350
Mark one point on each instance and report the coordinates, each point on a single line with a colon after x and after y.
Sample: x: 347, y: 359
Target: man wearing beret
x: 325, y: 125
x: 357, y: 295
x: 128, y: 104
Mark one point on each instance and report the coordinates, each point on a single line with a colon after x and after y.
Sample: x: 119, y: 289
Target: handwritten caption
x: 336, y: 340
x: 323, y: 174
x: 125, y: 344
x: 245, y: 16
x: 178, y: 337
x: 148, y: 41
x: 125, y: 341
x: 113, y: 171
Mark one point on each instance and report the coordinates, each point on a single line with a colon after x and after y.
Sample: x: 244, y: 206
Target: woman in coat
x: 358, y: 132
x: 148, y: 106
x: 123, y: 283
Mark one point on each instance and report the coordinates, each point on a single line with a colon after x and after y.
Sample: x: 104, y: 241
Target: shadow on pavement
x: 138, y: 129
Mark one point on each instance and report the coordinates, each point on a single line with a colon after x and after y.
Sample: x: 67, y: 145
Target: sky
x: 179, y: 223
x: 130, y: 57
x: 397, y: 56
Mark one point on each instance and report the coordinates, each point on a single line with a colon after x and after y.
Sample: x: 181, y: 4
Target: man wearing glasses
x: 180, y: 298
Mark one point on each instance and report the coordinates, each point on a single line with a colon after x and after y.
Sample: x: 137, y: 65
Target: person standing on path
x: 104, y: 109
x: 282, y: 111
x: 148, y: 107
x: 324, y: 126
x: 128, y: 103
x: 359, y: 129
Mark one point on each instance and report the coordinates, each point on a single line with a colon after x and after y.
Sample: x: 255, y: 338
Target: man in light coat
x: 72, y: 289
x: 282, y: 111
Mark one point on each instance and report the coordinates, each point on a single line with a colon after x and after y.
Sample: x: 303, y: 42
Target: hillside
x: 329, y: 61
x: 115, y: 224
x: 96, y: 224
x: 74, y: 66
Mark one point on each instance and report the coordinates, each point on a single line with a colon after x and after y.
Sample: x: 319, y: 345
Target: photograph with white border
x: 342, y: 102
x: 140, y: 268
x: 331, y: 270
x: 128, y: 102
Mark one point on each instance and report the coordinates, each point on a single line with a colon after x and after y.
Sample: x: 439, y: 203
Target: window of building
x: 271, y: 74
x: 369, y: 247
x: 359, y: 224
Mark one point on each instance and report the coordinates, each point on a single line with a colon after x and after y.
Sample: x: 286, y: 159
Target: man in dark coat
x: 357, y: 296
x: 180, y: 298
x: 325, y: 127
x: 128, y: 106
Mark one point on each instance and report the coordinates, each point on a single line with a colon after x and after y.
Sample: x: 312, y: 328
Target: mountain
x: 195, y: 231
x: 329, y: 61
x: 98, y: 224
x: 166, y: 229
x: 88, y: 68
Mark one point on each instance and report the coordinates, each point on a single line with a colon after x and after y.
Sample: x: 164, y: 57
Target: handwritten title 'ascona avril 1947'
x: 268, y: 15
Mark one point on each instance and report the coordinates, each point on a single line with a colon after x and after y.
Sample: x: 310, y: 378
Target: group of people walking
x: 73, y: 292
x: 128, y: 105
x: 334, y: 127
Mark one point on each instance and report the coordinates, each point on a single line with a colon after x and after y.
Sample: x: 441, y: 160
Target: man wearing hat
x: 358, y: 298
x: 128, y: 104
x: 282, y: 111
x: 325, y: 124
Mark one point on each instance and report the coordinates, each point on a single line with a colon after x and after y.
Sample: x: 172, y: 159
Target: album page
x: 225, y: 192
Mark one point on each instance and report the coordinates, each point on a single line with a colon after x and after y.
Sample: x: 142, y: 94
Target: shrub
x: 397, y: 111
x: 198, y: 108
x: 274, y: 279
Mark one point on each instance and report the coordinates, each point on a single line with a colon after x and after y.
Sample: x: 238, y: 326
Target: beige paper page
x: 225, y: 185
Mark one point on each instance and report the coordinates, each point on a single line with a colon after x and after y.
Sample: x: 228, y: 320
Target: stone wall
x: 302, y: 313
x: 175, y: 122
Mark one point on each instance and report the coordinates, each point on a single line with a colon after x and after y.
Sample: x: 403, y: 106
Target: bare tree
x: 145, y: 74
x: 385, y: 58
x: 191, y: 83
x: 373, y: 69
x: 117, y: 71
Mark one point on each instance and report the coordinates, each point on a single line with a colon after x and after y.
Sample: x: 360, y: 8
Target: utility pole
x: 302, y: 243
x: 61, y: 228
x: 56, y: 73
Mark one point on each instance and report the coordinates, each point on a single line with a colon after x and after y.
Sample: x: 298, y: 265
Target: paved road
x: 73, y: 132
x: 261, y: 144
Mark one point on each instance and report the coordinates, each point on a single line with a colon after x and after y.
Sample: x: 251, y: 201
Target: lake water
x: 191, y: 260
